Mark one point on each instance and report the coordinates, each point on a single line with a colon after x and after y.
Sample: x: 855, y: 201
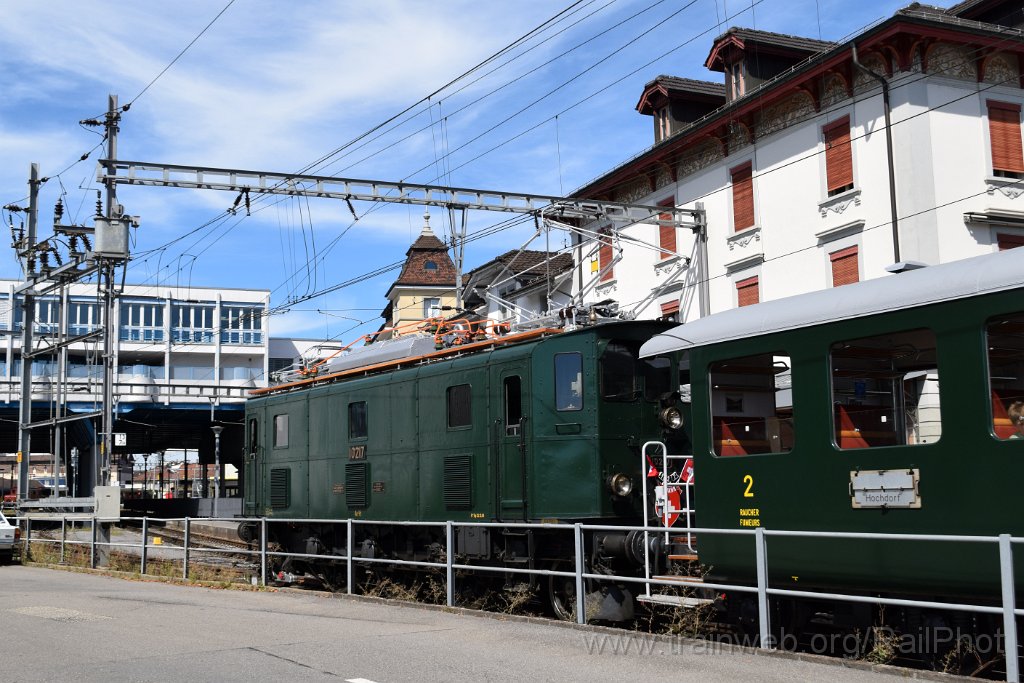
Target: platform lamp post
x: 217, y: 429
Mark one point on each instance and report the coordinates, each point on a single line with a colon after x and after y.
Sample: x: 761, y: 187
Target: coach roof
x: 956, y: 280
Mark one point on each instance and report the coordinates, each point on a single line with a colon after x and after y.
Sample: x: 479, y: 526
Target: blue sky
x: 275, y: 86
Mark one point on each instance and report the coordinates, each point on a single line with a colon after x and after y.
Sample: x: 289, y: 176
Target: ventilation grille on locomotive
x: 280, y: 487
x: 355, y: 484
x: 458, y: 482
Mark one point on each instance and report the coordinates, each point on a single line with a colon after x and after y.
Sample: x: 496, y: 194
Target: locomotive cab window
x: 658, y: 380
x: 1006, y: 375
x: 568, y: 381
x: 357, y: 428
x: 281, y: 431
x: 618, y: 373
x: 751, y: 405
x: 885, y: 390
x: 460, y: 406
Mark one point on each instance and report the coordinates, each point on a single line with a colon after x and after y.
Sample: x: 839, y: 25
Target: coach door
x: 509, y: 430
x: 253, y: 466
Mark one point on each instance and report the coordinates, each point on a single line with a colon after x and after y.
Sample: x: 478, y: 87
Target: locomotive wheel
x: 562, y: 593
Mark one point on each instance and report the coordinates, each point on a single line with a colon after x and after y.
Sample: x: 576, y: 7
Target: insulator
x: 56, y: 255
x: 44, y: 259
x: 58, y: 210
x: 99, y: 204
x: 73, y: 246
x: 85, y: 241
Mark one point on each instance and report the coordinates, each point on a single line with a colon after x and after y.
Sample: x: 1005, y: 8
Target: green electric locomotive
x: 544, y: 426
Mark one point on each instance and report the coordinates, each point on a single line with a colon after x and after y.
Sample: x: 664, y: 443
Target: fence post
x: 762, y: 589
x: 449, y: 553
x: 27, y: 550
x: 351, y: 554
x: 1009, y: 605
x: 63, y: 536
x: 581, y: 599
x: 145, y: 544
x: 263, y: 552
x: 184, y: 563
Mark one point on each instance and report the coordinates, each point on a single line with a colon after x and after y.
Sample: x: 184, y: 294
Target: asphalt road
x: 64, y: 626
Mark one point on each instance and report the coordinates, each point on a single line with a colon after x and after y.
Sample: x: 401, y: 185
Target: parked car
x: 9, y: 536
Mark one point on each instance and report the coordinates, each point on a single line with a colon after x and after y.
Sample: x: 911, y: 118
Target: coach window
x: 752, y: 405
x: 885, y: 390
x: 460, y: 406
x: 357, y: 420
x: 568, y: 381
x: 1006, y: 375
x: 280, y: 431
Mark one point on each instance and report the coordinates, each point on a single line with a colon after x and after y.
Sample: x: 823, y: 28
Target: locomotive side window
x: 460, y: 406
x: 513, y: 404
x: 751, y: 405
x: 280, y: 431
x: 357, y: 420
x: 1006, y: 375
x: 569, y: 381
x: 885, y: 390
x: 618, y: 373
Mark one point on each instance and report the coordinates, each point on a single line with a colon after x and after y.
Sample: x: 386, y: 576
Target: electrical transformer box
x: 112, y: 237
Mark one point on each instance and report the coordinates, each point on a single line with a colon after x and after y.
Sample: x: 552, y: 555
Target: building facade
x: 788, y: 158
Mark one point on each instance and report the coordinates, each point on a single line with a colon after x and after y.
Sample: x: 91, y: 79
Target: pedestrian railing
x: 1007, y: 607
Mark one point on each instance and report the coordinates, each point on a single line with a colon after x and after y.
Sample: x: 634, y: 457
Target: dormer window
x: 430, y: 265
x: 734, y: 78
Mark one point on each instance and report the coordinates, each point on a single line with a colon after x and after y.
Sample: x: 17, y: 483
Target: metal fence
x: 1007, y: 609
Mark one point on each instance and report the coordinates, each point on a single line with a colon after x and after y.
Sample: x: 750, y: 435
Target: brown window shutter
x: 604, y: 256
x: 747, y: 292
x: 1010, y: 241
x: 742, y: 197
x: 838, y: 155
x: 671, y: 308
x: 666, y: 233
x: 844, y: 267
x: 1004, y: 129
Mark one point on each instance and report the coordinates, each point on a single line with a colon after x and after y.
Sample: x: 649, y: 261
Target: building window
x: 751, y: 405
x: 142, y: 322
x: 742, y: 196
x: 192, y: 324
x: 241, y: 324
x: 281, y: 431
x: 460, y: 406
x: 1006, y: 376
x: 430, y: 265
x: 83, y: 318
x: 845, y: 270
x: 605, y: 254
x: 885, y: 390
x: 47, y: 316
x: 748, y: 292
x: 568, y: 381
x: 838, y: 156
x: 431, y: 307
x: 357, y: 422
x: 664, y: 127
x: 667, y: 233
x: 1009, y: 241
x: 1004, y: 131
